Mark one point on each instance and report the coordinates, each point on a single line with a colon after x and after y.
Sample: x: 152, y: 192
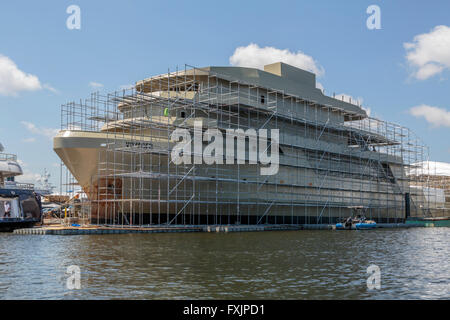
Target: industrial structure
x: 334, y: 160
x: 434, y: 179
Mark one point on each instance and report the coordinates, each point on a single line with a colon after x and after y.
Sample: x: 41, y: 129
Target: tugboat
x: 20, y: 206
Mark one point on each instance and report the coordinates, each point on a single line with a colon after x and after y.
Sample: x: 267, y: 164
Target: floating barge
x: 104, y: 230
x: 430, y: 222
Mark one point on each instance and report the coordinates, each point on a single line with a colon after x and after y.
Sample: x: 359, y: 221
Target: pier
x: 104, y: 230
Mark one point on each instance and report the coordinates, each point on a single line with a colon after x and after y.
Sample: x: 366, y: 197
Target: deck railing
x: 16, y: 185
x: 8, y: 157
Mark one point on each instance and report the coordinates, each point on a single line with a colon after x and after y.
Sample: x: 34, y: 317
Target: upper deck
x: 277, y: 77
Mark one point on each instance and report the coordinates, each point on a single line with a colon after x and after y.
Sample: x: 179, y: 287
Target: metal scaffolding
x: 434, y: 178
x: 333, y: 163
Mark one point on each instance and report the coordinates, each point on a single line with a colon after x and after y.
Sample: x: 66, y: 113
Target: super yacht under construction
x: 334, y: 160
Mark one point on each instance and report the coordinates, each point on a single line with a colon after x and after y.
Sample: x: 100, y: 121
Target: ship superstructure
x: 9, y: 167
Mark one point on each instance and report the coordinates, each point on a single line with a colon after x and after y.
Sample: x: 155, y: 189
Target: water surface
x: 414, y: 264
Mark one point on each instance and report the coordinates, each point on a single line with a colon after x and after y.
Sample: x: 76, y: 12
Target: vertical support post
x: 407, y: 205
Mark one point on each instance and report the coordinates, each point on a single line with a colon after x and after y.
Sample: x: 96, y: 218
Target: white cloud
x: 29, y: 140
x: 429, y: 53
x: 95, y: 84
x: 126, y: 86
x: 368, y: 110
x: 47, y: 132
x: 27, y: 176
x: 433, y: 115
x: 253, y: 56
x: 319, y: 86
x: 356, y: 101
x: 350, y: 99
x: 13, y: 80
x: 49, y: 88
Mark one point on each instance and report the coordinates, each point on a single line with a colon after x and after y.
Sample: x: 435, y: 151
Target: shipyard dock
x: 104, y: 230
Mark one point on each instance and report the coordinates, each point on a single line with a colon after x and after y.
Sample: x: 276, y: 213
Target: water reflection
x: 270, y: 265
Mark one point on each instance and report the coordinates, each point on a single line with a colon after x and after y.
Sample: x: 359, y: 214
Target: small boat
x: 357, y: 223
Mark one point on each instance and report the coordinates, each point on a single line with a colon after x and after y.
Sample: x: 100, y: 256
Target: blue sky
x: 121, y: 42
